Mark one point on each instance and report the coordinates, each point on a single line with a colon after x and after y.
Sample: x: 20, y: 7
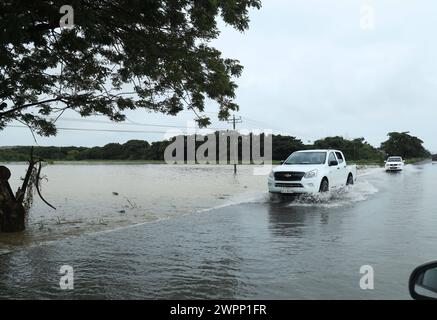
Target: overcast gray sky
x: 312, y: 70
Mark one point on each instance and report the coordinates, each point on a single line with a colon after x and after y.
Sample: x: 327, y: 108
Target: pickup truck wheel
x: 350, y: 180
x: 324, y: 185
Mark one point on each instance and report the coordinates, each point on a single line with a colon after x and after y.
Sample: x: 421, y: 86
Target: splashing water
x: 336, y: 198
x: 346, y: 195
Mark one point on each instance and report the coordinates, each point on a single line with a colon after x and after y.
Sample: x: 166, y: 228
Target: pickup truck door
x: 334, y: 173
x: 342, y: 168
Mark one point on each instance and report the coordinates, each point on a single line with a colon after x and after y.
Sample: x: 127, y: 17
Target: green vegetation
x: 161, y: 49
x: 356, y: 149
x: 131, y: 150
x: 138, y: 151
x: 404, y: 145
x: 367, y: 162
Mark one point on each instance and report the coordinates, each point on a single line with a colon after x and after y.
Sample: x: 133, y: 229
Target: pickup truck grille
x: 289, y: 176
x: 288, y: 185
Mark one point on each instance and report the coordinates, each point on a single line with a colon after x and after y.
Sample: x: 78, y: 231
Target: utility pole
x: 234, y: 121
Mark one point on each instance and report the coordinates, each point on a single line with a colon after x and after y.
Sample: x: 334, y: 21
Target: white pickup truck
x: 394, y: 164
x: 312, y: 171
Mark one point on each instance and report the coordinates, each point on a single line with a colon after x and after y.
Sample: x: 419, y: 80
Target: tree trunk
x: 12, y: 212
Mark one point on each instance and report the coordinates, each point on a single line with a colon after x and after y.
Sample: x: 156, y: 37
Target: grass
x: 416, y: 160
x: 85, y: 162
x: 107, y: 162
x: 381, y: 162
x: 357, y: 162
x: 367, y: 162
x: 138, y: 162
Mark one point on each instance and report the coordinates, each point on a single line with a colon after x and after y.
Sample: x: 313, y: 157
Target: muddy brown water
x: 199, y: 232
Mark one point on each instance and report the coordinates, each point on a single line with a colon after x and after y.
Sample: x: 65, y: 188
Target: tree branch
x: 24, y: 106
x: 45, y: 27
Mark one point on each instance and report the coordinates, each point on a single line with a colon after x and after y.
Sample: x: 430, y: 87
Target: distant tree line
x: 401, y: 144
x: 405, y: 145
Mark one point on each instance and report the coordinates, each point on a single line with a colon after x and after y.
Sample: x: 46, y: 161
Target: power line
x: 132, y: 123
x: 95, y: 130
x: 233, y: 120
x: 266, y: 124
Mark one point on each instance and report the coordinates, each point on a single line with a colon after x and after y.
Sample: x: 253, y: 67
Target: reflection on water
x: 260, y: 249
x: 287, y: 222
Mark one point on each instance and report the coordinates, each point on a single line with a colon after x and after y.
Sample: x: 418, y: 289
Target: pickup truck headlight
x: 311, y: 174
x: 271, y: 175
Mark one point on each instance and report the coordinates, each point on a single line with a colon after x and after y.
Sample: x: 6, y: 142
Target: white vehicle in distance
x: 312, y: 171
x: 394, y: 164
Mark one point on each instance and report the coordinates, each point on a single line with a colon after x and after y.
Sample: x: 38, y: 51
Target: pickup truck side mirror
x: 423, y: 282
x: 333, y: 163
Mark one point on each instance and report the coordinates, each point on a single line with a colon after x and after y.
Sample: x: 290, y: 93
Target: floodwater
x: 199, y: 232
x: 97, y: 197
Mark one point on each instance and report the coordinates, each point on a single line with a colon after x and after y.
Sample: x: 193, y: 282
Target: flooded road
x: 210, y: 235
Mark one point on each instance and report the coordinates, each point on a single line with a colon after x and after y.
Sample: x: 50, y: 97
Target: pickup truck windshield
x: 306, y: 158
x: 394, y: 159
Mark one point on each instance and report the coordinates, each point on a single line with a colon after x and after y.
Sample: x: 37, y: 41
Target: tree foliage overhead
x: 120, y: 55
